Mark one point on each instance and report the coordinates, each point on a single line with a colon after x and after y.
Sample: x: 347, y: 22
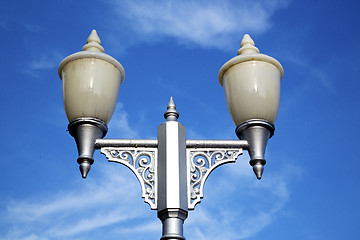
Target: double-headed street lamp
x: 171, y: 169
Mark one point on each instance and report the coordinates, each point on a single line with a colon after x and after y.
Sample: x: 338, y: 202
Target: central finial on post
x: 171, y: 114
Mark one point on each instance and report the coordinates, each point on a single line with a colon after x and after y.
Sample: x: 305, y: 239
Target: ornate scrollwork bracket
x: 142, y: 162
x: 201, y: 163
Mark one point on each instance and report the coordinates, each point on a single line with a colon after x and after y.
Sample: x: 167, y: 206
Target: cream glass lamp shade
x: 91, y: 81
x: 251, y: 82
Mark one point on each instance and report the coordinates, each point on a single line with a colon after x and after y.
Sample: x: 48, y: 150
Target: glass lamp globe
x: 91, y: 81
x: 251, y: 83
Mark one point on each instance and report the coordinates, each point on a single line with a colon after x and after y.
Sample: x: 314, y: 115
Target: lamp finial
x: 247, y: 46
x: 93, y: 43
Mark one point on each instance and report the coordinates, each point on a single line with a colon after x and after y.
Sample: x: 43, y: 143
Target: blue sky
x: 310, y: 187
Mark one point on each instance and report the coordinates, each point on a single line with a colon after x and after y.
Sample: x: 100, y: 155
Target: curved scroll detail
x: 141, y: 161
x: 202, y: 163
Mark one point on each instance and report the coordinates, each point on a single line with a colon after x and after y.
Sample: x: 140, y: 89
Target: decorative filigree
x: 202, y: 163
x: 142, y: 162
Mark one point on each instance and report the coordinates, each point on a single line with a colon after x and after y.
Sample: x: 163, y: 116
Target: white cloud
x: 65, y: 202
x: 314, y: 72
x: 72, y: 212
x: 44, y: 61
x: 119, y: 124
x: 201, y: 23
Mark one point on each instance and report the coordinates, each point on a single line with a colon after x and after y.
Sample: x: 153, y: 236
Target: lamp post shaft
x: 172, y: 175
x: 172, y: 229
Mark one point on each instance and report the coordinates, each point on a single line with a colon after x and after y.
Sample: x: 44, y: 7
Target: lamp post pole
x: 171, y: 169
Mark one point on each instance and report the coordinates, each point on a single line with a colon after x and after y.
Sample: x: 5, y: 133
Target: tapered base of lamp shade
x: 256, y: 132
x: 86, y: 131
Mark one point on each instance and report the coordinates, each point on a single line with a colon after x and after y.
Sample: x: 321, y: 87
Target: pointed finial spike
x: 247, y: 40
x: 84, y: 168
x: 93, y: 43
x: 171, y: 103
x: 258, y: 170
x: 171, y: 114
x: 93, y: 37
x: 247, y: 46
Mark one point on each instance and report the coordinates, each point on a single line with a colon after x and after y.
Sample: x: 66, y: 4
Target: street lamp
x: 171, y: 169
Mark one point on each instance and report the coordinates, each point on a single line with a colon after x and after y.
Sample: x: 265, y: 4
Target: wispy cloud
x: 208, y: 24
x: 44, y: 61
x: 120, y: 125
x: 70, y: 213
x: 315, y: 72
